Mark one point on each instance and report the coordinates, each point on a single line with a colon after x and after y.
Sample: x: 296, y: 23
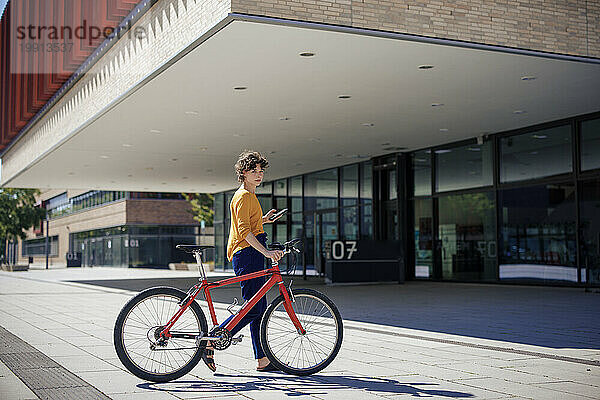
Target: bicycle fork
x: 288, y: 299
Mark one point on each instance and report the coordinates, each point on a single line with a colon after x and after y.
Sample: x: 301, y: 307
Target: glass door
x: 320, y: 227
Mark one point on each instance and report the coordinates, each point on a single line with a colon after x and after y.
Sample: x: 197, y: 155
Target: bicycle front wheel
x: 298, y: 354
x: 137, y: 329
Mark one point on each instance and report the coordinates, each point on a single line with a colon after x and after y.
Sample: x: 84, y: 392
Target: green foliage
x: 202, y: 206
x: 18, y: 212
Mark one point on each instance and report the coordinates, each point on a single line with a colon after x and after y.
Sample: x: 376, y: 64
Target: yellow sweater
x: 246, y: 216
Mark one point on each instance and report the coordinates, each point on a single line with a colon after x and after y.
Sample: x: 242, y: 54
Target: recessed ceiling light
x: 71, y: 173
x: 420, y: 160
x: 112, y: 181
x: 104, y: 156
x: 314, y: 139
x: 145, y: 188
x: 474, y: 149
x: 202, y: 148
x: 385, y: 144
x: 163, y: 183
x: 528, y: 78
x: 240, y: 88
x: 173, y: 159
x: 437, y: 104
x: 425, y: 66
x: 192, y: 113
x: 149, y: 168
x: 443, y: 129
x: 272, y: 152
x: 533, y: 152
x: 540, y: 136
x: 344, y: 96
x: 298, y: 164
x: 238, y: 135
x: 209, y: 170
x: 129, y: 175
x: 368, y: 124
x: 442, y: 151
x: 338, y: 155
x: 213, y: 184
x: 126, y: 145
x: 284, y: 118
x: 184, y: 177
x: 519, y: 112
x: 155, y: 131
x: 307, y: 54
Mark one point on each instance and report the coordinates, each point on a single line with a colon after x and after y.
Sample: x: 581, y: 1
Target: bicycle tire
x: 321, y: 319
x: 149, y: 302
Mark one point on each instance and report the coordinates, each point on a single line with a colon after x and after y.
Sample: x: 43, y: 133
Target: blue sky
x: 2, y: 5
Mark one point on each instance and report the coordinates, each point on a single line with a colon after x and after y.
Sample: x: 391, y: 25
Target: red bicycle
x: 160, y: 333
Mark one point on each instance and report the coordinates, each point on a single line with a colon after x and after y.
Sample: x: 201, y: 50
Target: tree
x: 202, y: 206
x: 18, y: 212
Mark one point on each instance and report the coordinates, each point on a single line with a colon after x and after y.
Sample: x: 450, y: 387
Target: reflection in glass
x: 366, y: 222
x: 464, y: 167
x: 538, y: 233
x: 349, y: 221
x: 421, y: 164
x: 423, y: 238
x: 589, y: 213
x: 349, y: 182
x: 366, y: 182
x: 536, y: 154
x: 280, y: 187
x: 219, y: 207
x: 590, y: 144
x: 467, y: 233
x: 321, y: 190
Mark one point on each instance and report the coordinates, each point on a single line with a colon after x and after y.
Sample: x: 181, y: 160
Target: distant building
x: 117, y: 229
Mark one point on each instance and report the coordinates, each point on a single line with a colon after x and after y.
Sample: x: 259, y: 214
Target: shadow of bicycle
x: 301, y: 386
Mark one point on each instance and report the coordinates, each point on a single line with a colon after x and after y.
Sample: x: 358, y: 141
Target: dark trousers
x: 244, y: 262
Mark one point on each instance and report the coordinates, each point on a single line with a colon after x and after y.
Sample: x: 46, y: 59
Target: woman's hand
x: 266, y: 218
x: 274, y: 255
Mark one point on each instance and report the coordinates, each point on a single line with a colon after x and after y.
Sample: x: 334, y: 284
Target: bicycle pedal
x: 237, y: 339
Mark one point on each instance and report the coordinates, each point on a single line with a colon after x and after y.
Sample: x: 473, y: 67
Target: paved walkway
x: 419, y: 339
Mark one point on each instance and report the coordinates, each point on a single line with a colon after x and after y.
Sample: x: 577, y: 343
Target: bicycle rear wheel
x: 137, y: 328
x: 306, y: 354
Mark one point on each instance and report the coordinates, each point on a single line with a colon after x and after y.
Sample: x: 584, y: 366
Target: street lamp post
x: 46, y: 242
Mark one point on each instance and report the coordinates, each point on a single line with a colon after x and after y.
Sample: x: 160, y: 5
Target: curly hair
x: 247, y: 161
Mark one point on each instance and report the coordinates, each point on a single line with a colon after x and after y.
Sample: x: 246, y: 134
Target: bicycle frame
x: 205, y: 287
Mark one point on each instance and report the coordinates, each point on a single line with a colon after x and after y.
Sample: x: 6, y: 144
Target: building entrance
x: 320, y: 227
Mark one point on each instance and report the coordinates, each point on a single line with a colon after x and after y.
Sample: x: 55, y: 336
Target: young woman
x: 246, y: 249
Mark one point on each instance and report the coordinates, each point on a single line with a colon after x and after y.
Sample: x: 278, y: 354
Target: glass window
x: 280, y: 187
x: 264, y: 188
x: 590, y: 144
x: 219, y: 206
x: 321, y: 190
x: 467, y: 234
x: 349, y: 185
x: 464, y: 167
x: 423, y: 238
x: 349, y: 221
x: 366, y: 182
x: 421, y: 164
x: 366, y: 222
x: 538, y: 233
x: 589, y: 213
x: 536, y: 154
